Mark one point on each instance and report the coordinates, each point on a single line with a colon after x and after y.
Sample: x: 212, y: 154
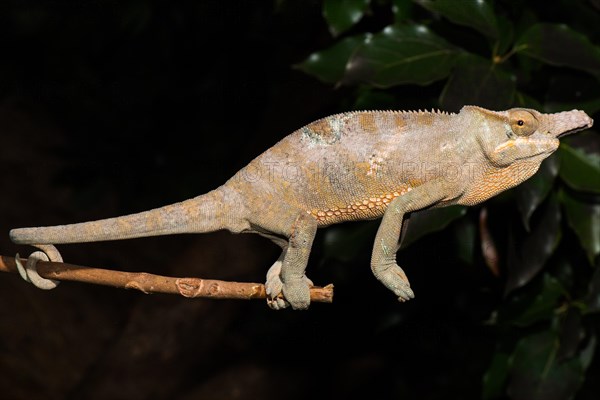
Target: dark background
x: 109, y: 108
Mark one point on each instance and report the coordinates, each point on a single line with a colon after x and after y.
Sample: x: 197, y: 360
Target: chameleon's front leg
x: 383, y: 259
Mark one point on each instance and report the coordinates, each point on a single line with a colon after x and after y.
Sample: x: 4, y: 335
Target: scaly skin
x: 346, y: 167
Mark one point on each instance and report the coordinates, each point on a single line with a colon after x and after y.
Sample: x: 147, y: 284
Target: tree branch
x: 150, y: 283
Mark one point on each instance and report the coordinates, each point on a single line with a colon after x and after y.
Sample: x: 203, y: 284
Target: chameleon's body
x: 350, y: 166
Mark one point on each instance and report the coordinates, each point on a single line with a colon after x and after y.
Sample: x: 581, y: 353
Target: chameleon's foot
x: 29, y: 271
x: 395, y: 279
x: 296, y: 295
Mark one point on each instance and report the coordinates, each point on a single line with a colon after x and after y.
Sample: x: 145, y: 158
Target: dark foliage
x: 498, y: 56
x: 110, y: 107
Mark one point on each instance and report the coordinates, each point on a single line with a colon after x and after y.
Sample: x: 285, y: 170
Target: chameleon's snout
x: 567, y: 122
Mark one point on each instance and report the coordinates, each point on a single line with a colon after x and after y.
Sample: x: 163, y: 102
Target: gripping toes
x: 296, y: 294
x: 274, y: 287
x: 395, y: 279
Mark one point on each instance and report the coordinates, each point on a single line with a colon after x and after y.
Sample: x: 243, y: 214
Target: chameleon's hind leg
x: 274, y: 284
x: 29, y: 271
x: 287, y: 275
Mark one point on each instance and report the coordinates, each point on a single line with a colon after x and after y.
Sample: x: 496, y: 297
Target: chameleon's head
x: 510, y: 145
x: 522, y: 134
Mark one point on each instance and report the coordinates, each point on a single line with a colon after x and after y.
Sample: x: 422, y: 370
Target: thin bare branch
x: 150, y: 283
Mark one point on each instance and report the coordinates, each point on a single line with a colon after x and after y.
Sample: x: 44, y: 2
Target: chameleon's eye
x: 523, y: 123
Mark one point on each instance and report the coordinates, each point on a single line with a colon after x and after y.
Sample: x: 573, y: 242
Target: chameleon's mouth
x: 574, y: 130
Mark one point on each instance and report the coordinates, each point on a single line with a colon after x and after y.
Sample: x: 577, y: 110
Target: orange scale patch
x: 339, y: 214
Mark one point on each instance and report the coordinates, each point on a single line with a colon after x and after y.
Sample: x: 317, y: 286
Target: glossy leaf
x: 329, y: 65
x: 400, y: 55
x: 584, y: 219
x: 587, y: 143
x: 579, y: 170
x: 527, y: 257
x: 478, y: 14
x: 558, y: 44
x: 537, y: 304
x: 427, y: 221
x: 531, y: 193
x: 341, y: 15
x: 537, y: 373
x: 477, y: 81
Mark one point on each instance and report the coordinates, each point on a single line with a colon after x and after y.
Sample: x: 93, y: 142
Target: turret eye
x: 523, y: 123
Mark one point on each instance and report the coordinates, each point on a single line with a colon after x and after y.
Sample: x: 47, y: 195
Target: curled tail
x: 206, y: 213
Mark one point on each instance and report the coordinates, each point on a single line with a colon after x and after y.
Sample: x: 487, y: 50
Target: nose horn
x: 567, y: 122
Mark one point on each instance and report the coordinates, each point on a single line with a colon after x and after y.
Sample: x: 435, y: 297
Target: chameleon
x: 356, y: 165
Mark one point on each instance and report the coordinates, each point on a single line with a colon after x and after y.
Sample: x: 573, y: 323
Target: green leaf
x: 400, y: 55
x: 527, y: 257
x: 476, y: 81
x: 584, y: 219
x: 424, y: 222
x: 531, y: 193
x: 559, y: 45
x: 579, y: 170
x: 537, y: 373
x: 537, y: 304
x: 329, y: 65
x: 476, y: 14
x: 341, y: 15
x: 494, y: 380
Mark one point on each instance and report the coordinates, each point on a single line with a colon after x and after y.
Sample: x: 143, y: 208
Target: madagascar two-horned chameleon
x: 351, y: 166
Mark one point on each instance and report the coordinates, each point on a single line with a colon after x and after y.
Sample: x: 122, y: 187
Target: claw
x: 277, y: 303
x: 394, y: 278
x: 406, y: 294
